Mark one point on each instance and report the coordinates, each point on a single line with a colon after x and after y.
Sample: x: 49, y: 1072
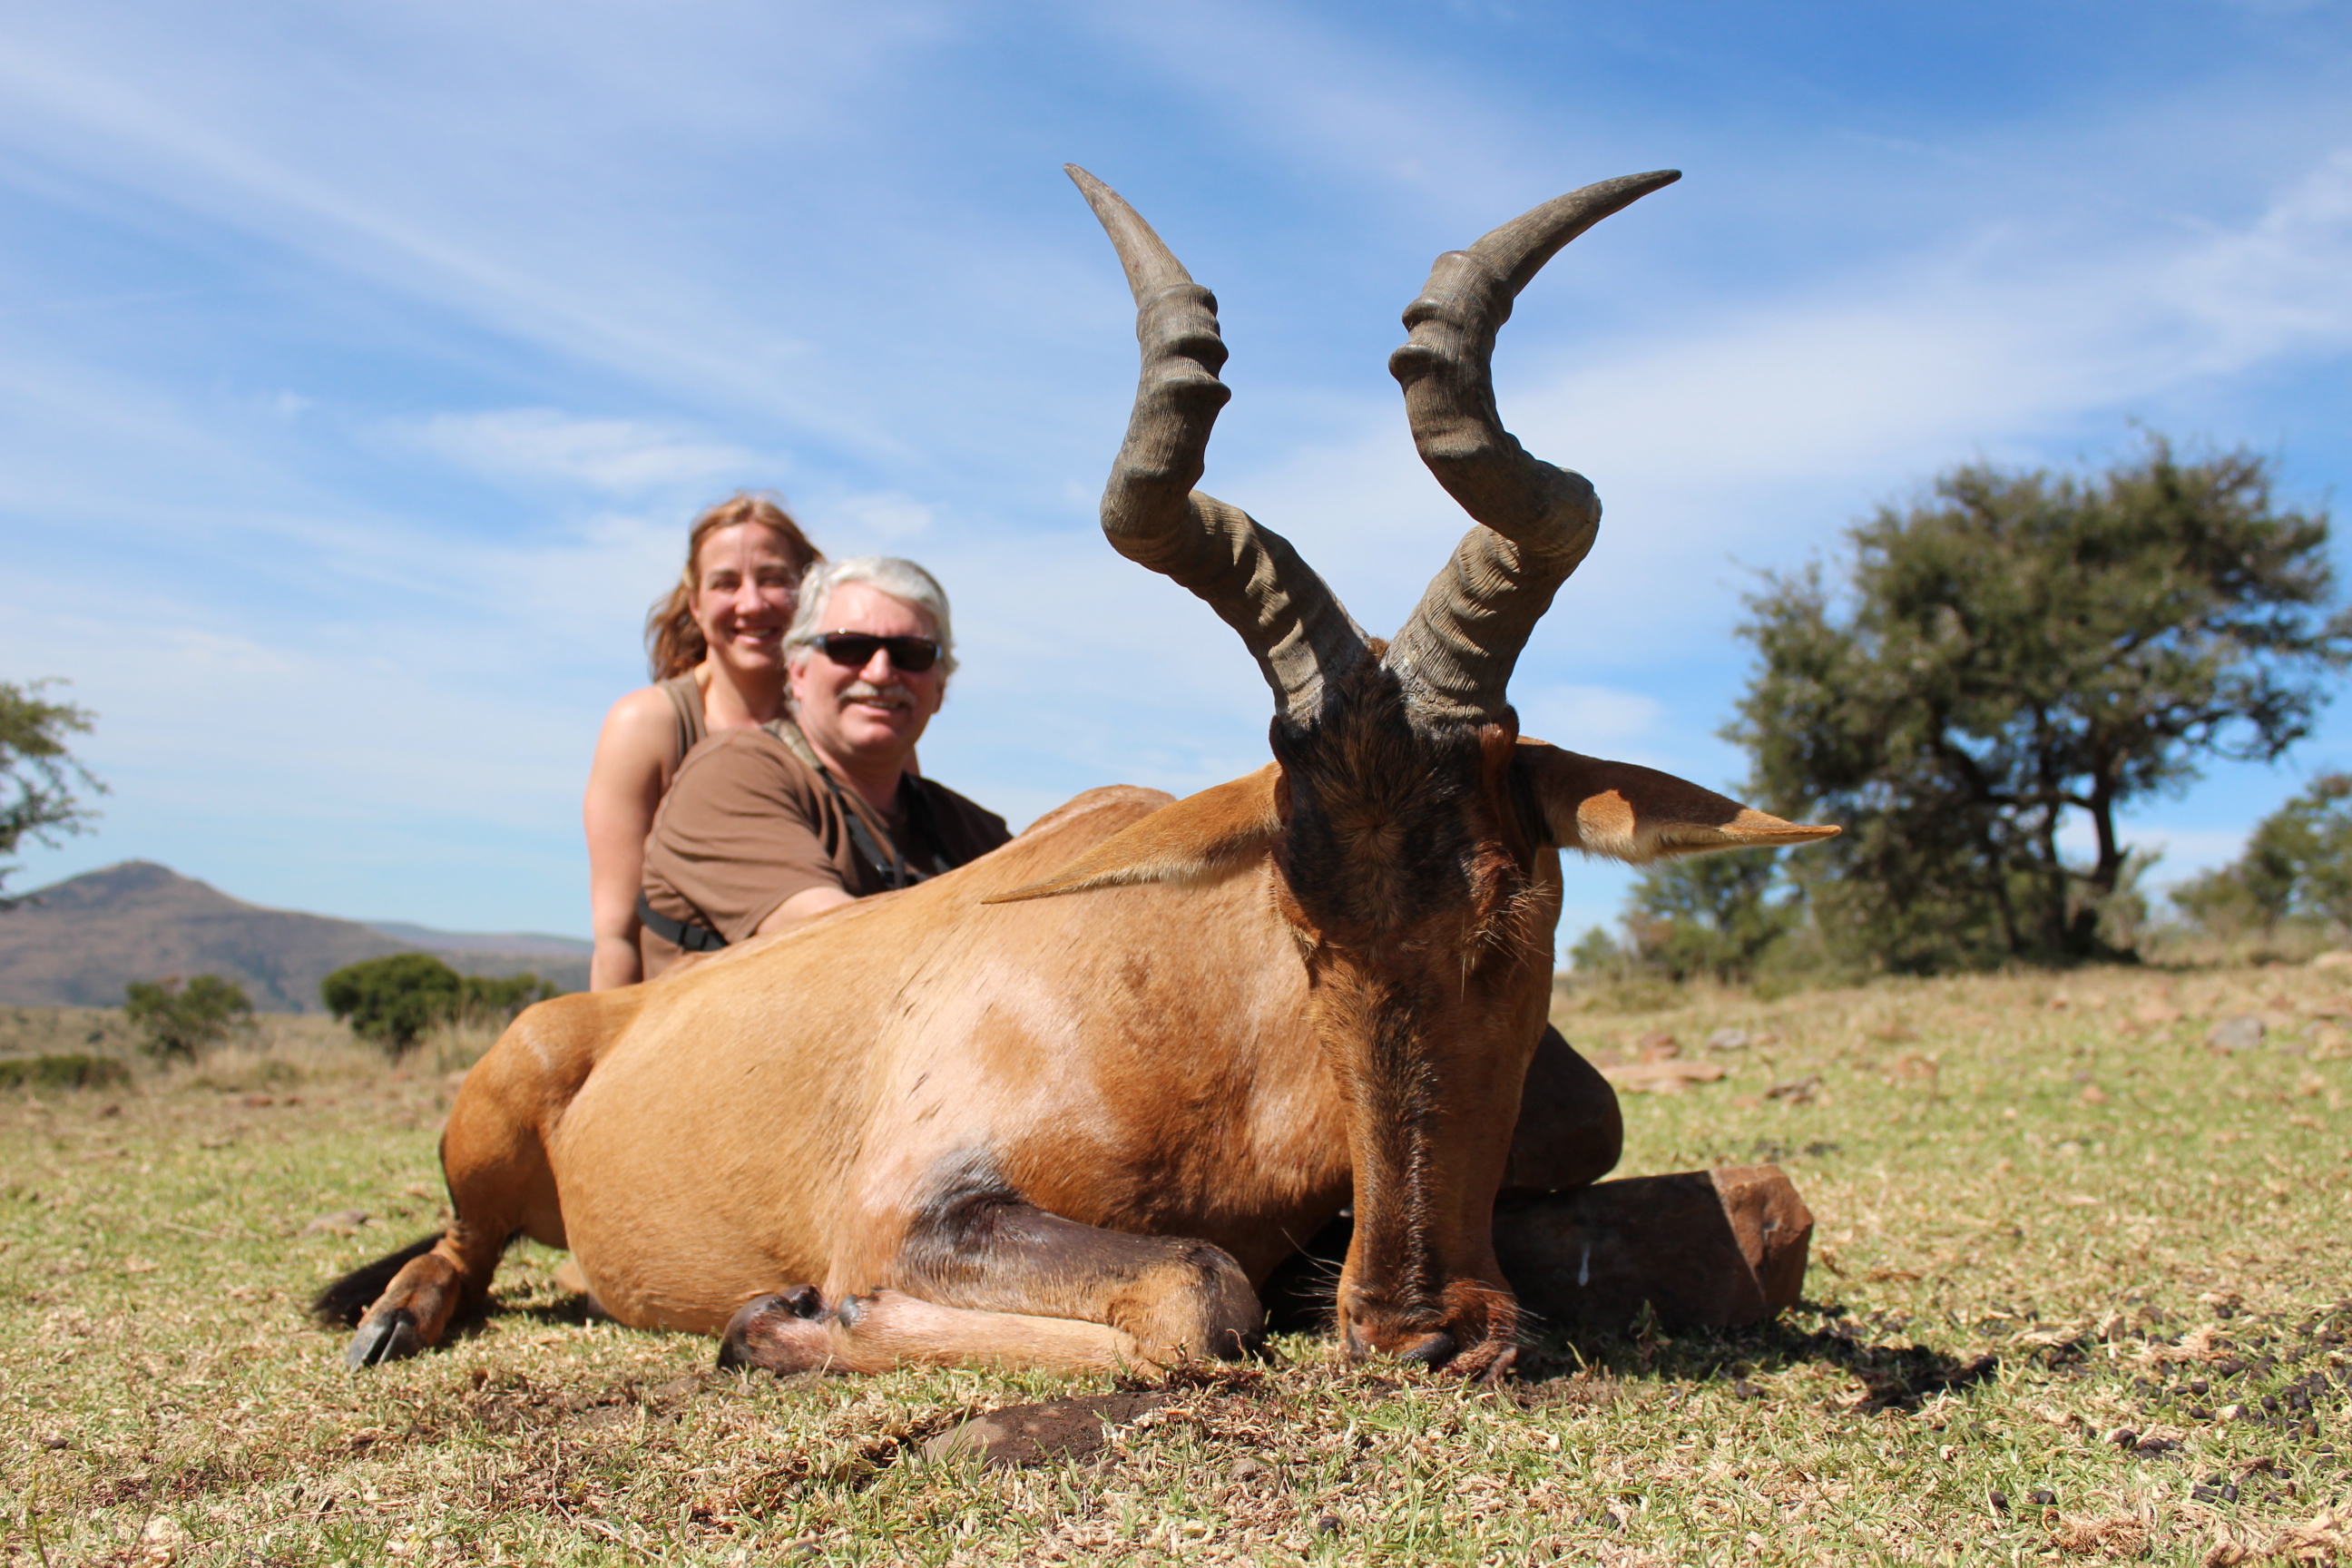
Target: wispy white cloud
x: 1722, y: 440
x: 2274, y: 287
x: 464, y: 200
x: 625, y: 457
x: 888, y: 515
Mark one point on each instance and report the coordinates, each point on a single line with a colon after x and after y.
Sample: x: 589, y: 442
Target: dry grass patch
x: 2045, y: 1324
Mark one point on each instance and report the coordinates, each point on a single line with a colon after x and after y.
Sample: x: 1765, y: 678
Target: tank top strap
x: 685, y: 703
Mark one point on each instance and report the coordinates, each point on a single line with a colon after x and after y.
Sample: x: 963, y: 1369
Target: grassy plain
x: 2147, y: 1234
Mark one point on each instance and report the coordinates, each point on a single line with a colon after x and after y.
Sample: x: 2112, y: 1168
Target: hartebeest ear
x: 1200, y: 838
x: 1639, y: 814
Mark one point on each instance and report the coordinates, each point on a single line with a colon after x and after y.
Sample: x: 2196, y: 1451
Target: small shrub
x: 179, y: 1021
x: 396, y: 1001
x: 75, y: 1070
x: 491, y: 1000
x: 392, y: 1001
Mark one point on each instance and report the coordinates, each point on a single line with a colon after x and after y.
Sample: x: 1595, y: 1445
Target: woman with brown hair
x: 716, y: 644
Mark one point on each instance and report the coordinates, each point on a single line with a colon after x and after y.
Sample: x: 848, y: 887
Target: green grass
x: 2111, y: 1211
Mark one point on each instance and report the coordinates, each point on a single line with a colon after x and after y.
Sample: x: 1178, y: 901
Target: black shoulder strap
x: 892, y: 867
x: 682, y: 934
x: 922, y: 819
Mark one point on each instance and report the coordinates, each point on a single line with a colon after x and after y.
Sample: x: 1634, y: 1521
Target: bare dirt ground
x: 2082, y: 1291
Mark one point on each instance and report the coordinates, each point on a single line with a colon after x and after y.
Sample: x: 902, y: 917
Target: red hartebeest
x: 1068, y: 1106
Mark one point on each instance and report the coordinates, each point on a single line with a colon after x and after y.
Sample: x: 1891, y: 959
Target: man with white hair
x: 762, y: 828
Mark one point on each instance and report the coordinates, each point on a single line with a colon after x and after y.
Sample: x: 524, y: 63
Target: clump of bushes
x: 178, y: 1022
x: 2296, y: 869
x: 395, y: 1000
x: 73, y: 1069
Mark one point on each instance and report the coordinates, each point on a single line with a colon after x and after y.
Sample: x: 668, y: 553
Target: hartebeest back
x: 1069, y: 1105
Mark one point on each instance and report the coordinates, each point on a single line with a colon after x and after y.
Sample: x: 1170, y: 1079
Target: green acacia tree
x: 2297, y: 862
x: 1713, y: 915
x: 179, y: 1021
x: 2015, y: 648
x: 42, y: 787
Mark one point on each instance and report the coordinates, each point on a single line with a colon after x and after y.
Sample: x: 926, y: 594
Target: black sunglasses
x: 855, y: 651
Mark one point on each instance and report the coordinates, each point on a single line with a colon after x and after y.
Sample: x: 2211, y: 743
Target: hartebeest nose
x: 1431, y: 1348
x: 1468, y: 1324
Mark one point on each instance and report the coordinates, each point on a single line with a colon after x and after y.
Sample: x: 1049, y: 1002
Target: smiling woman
x: 716, y: 644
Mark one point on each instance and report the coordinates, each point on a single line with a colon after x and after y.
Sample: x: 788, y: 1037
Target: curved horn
x: 1458, y: 647
x: 1294, y: 627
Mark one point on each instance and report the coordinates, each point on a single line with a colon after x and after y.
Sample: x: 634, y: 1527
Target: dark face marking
x: 1406, y: 863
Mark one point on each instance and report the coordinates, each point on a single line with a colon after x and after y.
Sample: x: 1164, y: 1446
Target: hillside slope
x: 80, y: 941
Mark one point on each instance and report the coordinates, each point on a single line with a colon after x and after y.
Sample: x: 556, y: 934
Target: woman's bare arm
x: 801, y: 906
x: 625, y: 786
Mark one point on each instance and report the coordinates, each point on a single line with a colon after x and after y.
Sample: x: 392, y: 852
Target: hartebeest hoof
x: 387, y: 1335
x: 787, y: 1331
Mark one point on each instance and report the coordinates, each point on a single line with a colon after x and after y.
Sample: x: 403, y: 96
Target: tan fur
x: 1144, y: 1058
x: 1214, y: 834
x: 767, y: 1117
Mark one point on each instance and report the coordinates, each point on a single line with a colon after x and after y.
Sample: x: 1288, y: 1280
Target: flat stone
x: 2340, y: 959
x: 1704, y: 1248
x: 1661, y: 1077
x: 2241, y: 1032
x: 1034, y: 1434
x: 1728, y: 1040
x: 342, y: 1222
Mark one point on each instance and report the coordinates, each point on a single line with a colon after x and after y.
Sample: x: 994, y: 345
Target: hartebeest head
x: 1407, y: 823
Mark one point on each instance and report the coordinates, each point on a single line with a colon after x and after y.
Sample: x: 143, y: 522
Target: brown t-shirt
x: 746, y: 824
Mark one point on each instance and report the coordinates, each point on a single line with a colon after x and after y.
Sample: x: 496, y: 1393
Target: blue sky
x: 361, y: 366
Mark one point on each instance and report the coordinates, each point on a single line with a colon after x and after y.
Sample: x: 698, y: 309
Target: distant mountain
x: 512, y: 943
x: 80, y: 941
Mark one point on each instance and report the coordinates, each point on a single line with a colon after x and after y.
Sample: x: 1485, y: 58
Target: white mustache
x: 867, y: 691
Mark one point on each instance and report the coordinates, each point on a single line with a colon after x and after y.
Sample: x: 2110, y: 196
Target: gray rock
x: 1728, y: 1040
x: 2243, y: 1032
x: 1033, y: 1434
x: 342, y: 1222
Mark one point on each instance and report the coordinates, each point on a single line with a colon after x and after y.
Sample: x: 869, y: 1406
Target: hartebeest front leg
x: 796, y: 1331
x: 1176, y: 1298
x: 985, y: 1278
x: 1570, y: 1128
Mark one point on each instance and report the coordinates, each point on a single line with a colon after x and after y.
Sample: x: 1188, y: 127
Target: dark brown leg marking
x: 982, y: 1247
